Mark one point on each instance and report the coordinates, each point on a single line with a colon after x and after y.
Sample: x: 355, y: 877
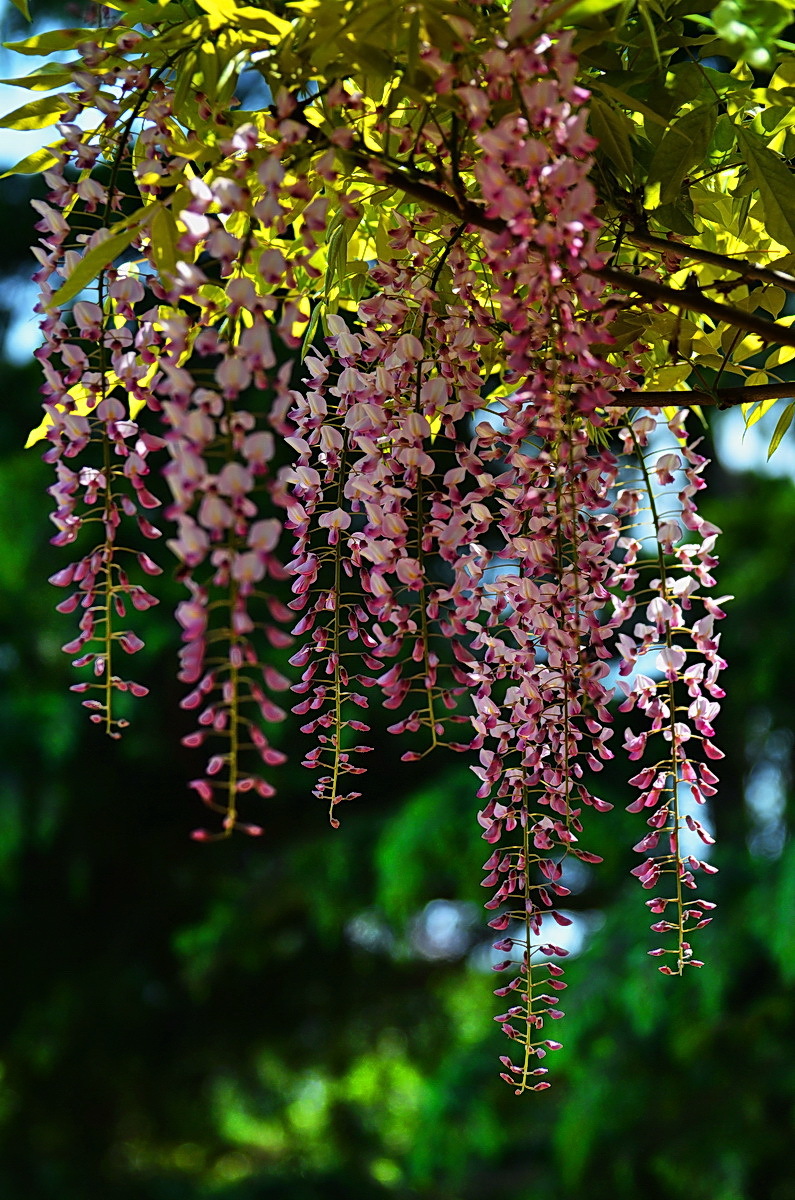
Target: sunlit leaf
x: 755, y: 411
x: 683, y: 145
x: 775, y: 184
x: 164, y: 236
x: 612, y: 129
x: 32, y: 164
x: 587, y: 8
x: 310, y: 330
x: 37, y: 113
x: 97, y: 258
x: 784, y: 422
x: 56, y: 39
x: 44, y: 79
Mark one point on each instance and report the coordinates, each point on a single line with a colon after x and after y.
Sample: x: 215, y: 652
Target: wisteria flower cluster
x: 424, y: 449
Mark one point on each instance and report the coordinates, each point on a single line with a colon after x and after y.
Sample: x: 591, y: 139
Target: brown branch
x: 466, y: 211
x: 741, y: 266
x: 723, y: 398
x: 691, y: 300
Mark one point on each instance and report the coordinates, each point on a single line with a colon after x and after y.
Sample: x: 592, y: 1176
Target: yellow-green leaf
x: 227, y: 12
x: 258, y: 16
x: 57, y: 39
x: 32, y: 164
x: 97, y: 258
x: 37, y: 113
x: 149, y: 12
x: 22, y: 6
x: 337, y: 238
x: 221, y: 12
x: 611, y: 129
x: 44, y: 79
x: 683, y: 145
x: 587, y: 8
x: 756, y: 410
x: 672, y: 377
x: 776, y: 186
x: 310, y: 330
x: 164, y: 236
x: 784, y: 422
x: 84, y: 401
x: 781, y: 354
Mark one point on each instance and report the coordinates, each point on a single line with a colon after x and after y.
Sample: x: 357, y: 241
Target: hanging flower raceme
x: 224, y: 489
x: 99, y: 452
x: 669, y: 670
x: 472, y: 522
x: 541, y: 715
x: 541, y: 702
x: 364, y: 482
x: 324, y: 566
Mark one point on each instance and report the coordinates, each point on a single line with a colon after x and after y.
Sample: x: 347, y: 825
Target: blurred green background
x: 308, y: 1017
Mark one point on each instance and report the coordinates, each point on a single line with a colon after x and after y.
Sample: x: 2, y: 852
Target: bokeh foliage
x: 257, y: 1020
x: 264, y: 1020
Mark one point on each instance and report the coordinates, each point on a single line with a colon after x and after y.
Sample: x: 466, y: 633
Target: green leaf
x: 750, y: 27
x: 683, y: 145
x: 23, y: 7
x: 337, y: 238
x: 587, y: 8
x: 98, y: 257
x: 57, y: 39
x: 675, y: 218
x: 647, y: 21
x: 36, y: 114
x: 146, y: 12
x: 413, y: 45
x: 44, y: 79
x: 32, y: 164
x: 309, y: 333
x: 784, y: 422
x: 164, y: 236
x: 754, y: 411
x: 776, y: 186
x: 611, y: 128
x: 627, y: 101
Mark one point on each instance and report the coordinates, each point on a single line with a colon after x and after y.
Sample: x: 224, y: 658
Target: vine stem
x: 337, y: 683
x: 675, y: 828
x: 529, y: 1016
x: 336, y: 649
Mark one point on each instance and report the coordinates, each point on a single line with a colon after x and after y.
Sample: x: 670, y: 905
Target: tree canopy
x: 412, y: 308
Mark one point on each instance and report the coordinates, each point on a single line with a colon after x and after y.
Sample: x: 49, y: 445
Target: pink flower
x: 234, y: 480
x: 670, y: 661
x: 334, y: 521
x: 215, y: 514
x: 232, y: 376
